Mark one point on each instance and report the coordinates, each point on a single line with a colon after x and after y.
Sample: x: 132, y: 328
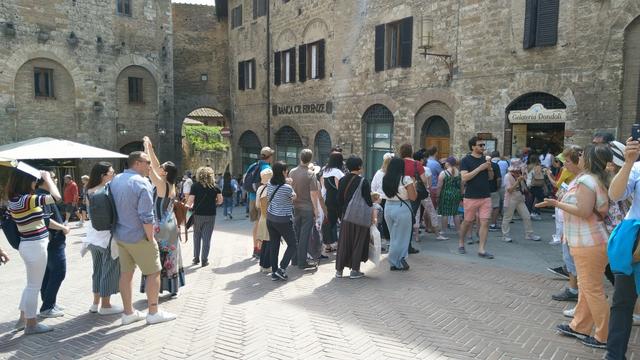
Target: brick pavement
x: 447, y: 307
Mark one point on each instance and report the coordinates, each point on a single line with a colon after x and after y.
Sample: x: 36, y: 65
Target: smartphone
x: 635, y: 131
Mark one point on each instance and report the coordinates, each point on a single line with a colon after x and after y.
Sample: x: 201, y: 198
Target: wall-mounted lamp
x: 161, y: 131
x: 122, y: 129
x: 426, y: 43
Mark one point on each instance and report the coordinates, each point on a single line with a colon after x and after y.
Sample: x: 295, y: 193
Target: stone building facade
x: 97, y: 72
x: 578, y: 59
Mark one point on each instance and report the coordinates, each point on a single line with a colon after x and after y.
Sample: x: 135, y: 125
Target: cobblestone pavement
x: 448, y: 306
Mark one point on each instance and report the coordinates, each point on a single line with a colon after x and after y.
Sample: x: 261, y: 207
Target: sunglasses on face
x: 480, y: 145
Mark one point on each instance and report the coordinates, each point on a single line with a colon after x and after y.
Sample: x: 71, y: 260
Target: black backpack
x: 227, y: 190
x: 251, y: 181
x: 10, y: 229
x: 102, y: 210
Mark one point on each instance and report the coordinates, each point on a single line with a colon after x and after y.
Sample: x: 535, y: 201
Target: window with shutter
x: 277, y: 70
x: 236, y: 17
x: 302, y: 65
x: 321, y: 50
x: 406, y: 42
x: 123, y: 7
x: 292, y: 70
x: 393, y: 45
x: 255, y: 9
x: 135, y: 91
x: 547, y: 22
x: 253, y: 73
x: 43, y: 82
x: 241, y: 75
x: 259, y: 8
x: 286, y: 67
x: 379, y: 48
x: 541, y: 23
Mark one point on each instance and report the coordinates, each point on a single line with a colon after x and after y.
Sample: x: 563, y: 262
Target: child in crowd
x: 378, y: 213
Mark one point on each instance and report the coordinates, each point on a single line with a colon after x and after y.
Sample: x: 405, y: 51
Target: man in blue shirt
x: 134, y: 230
x: 434, y: 165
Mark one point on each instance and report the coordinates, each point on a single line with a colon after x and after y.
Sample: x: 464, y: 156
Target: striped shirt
x: 282, y: 203
x: 27, y: 211
x: 580, y: 232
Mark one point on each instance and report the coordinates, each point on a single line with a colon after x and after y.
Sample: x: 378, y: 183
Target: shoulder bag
x: 421, y: 189
x: 358, y: 211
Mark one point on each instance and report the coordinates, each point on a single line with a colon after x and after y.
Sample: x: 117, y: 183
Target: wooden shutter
x: 321, y: 59
x: 547, y: 22
x: 292, y: 68
x: 276, y: 68
x: 253, y: 73
x: 379, y: 48
x: 302, y: 57
x: 406, y: 42
x: 255, y: 9
x: 530, y: 18
x: 241, y: 75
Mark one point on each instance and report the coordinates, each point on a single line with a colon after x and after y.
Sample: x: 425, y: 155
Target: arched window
x: 288, y: 146
x: 322, y: 147
x: 378, y: 121
x: 249, y: 148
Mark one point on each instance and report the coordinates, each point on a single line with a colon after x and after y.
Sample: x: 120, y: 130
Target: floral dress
x: 450, y: 195
x: 168, y: 237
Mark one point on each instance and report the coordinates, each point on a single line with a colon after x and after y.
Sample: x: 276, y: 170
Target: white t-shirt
x: 186, y: 186
x: 376, y: 182
x: 327, y: 173
x: 402, y: 190
x: 546, y: 160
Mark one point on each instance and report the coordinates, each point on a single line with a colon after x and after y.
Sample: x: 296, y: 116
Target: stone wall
x: 87, y: 66
x: 491, y: 69
x: 201, y: 47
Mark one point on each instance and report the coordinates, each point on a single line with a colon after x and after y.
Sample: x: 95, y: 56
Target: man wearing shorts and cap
x: 476, y: 172
x: 266, y: 158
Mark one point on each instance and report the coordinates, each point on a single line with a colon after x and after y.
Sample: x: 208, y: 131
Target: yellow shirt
x: 566, y: 176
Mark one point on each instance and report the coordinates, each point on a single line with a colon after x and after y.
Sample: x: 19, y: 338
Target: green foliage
x: 205, y: 138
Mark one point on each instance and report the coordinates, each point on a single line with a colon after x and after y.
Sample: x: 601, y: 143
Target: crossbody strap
x: 274, y: 192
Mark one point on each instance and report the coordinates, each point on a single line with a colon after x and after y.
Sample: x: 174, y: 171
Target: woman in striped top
x: 280, y: 219
x: 26, y: 210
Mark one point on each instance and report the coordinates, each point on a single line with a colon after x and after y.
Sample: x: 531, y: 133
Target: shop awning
x: 50, y: 148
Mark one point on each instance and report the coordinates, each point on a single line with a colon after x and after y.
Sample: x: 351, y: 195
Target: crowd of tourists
x: 316, y: 211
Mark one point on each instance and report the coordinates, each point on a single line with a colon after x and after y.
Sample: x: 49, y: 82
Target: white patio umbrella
x: 12, y: 163
x: 50, y: 148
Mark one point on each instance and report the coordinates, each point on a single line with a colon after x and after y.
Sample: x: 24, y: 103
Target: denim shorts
x: 568, y: 260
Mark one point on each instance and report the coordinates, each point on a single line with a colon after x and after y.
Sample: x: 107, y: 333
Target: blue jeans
x: 399, y: 220
x: 228, y: 205
x: 568, y: 260
x: 55, y: 273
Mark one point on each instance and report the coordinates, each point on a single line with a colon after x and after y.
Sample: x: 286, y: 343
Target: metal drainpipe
x: 268, y: 73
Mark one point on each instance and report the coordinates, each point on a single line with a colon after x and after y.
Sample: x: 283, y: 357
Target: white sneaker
x: 570, y: 312
x: 160, y: 317
x: 636, y: 320
x: 133, y: 317
x: 507, y: 239
x: 51, y: 313
x: 533, y: 237
x: 555, y: 239
x: 114, y: 309
x: 93, y: 308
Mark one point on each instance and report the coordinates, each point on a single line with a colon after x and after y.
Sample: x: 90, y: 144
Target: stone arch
x: 288, y: 145
x: 285, y: 40
x: 58, y: 107
x: 126, y: 61
x: 40, y: 51
x: 249, y: 147
x: 321, y: 146
x: 377, y: 131
x: 139, y: 118
x: 382, y: 99
x: 424, y: 122
x: 315, y: 30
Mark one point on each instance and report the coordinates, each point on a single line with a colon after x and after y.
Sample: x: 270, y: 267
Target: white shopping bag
x: 375, y: 245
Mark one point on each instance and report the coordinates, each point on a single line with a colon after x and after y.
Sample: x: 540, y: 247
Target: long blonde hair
x: 206, y: 177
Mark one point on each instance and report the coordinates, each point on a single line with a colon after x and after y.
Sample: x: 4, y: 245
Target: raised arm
x: 155, y: 166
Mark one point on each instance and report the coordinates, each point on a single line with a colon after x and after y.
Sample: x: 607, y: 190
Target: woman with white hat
x: 514, y: 199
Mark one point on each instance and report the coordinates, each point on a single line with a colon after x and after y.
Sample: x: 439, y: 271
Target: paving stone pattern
x: 447, y: 306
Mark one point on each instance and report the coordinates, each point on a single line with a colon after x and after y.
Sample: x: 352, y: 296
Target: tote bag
x: 358, y: 211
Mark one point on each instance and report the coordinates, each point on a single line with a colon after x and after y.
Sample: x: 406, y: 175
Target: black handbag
x: 421, y: 189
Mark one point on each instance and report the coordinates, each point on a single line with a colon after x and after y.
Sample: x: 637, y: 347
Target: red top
x: 70, y: 193
x: 410, y: 168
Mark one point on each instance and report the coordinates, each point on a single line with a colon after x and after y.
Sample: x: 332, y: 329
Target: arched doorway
x: 203, y: 141
x: 435, y: 132
x: 288, y: 146
x: 322, y: 147
x: 249, y: 145
x: 535, y: 120
x: 378, y: 134
x: 128, y: 149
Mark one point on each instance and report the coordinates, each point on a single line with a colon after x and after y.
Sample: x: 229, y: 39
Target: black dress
x: 353, y: 243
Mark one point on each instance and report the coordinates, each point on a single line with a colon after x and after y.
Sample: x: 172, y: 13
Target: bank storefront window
x: 378, y: 121
x: 288, y: 146
x: 249, y: 149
